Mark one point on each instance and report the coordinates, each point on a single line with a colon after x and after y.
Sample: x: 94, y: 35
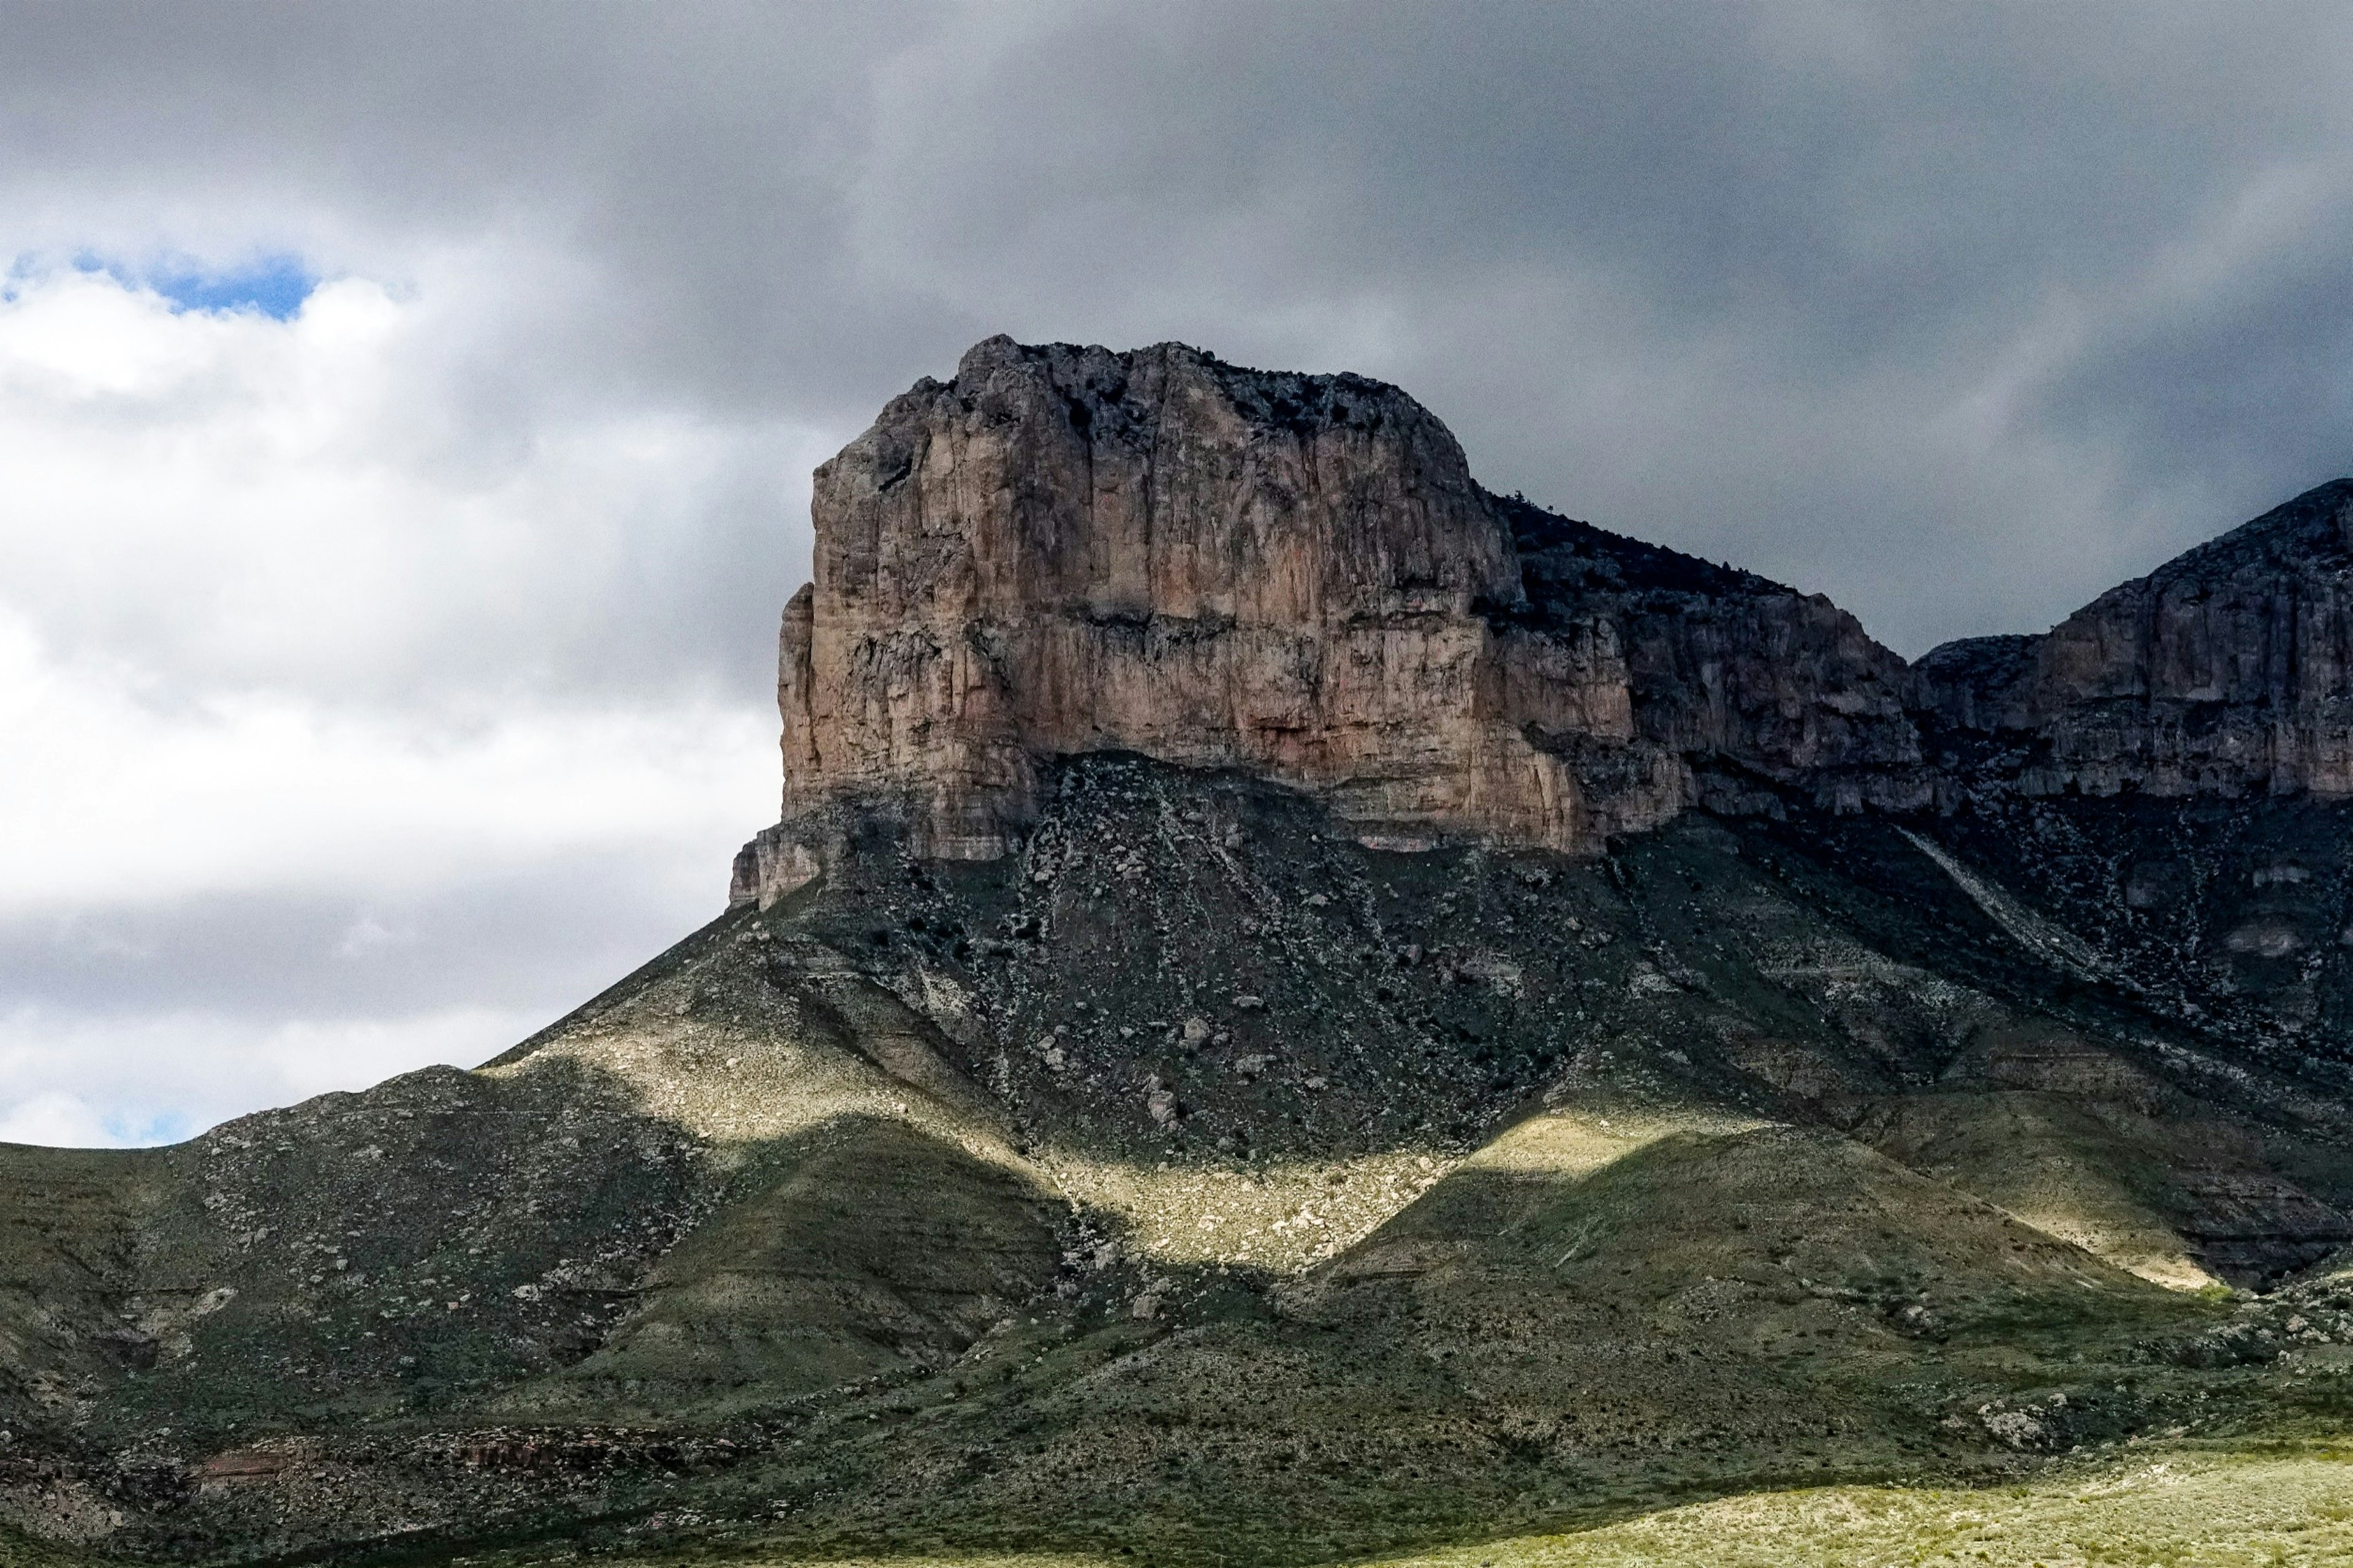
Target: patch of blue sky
x: 273, y: 285
x: 132, y: 1130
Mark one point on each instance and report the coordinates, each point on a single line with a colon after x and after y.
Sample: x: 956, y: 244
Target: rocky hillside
x: 1299, y: 1008
x: 2156, y: 783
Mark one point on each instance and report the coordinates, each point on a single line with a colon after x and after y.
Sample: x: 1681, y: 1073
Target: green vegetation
x: 21, y: 1552
x: 1203, y: 1189
x: 2278, y: 1505
x: 2212, y: 1509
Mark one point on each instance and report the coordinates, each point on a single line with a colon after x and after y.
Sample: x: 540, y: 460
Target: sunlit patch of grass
x: 2213, y: 1508
x: 1279, y: 1216
x: 2183, y: 1505
x: 1285, y: 1216
x: 1578, y: 1142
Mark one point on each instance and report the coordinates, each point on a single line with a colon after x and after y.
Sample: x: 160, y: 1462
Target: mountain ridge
x: 1066, y: 550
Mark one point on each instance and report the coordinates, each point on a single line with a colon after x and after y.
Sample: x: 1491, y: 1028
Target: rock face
x: 1067, y: 553
x: 2162, y: 779
x: 1068, y: 550
x: 2224, y: 672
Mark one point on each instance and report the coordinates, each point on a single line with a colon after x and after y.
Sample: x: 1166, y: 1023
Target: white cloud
x: 111, y: 800
x: 335, y: 504
x: 66, y: 1121
x: 244, y: 644
x: 280, y: 621
x: 82, y: 1081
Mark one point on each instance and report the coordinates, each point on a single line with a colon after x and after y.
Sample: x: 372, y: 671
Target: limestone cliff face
x: 1067, y: 551
x: 1742, y: 689
x: 2224, y: 672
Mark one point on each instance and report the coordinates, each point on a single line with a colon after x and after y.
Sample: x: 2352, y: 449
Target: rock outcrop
x: 2228, y: 672
x: 1068, y: 550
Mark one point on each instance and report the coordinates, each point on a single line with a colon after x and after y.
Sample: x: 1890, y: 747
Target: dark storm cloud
x: 2239, y: 375
x: 1753, y: 225
x: 1801, y: 286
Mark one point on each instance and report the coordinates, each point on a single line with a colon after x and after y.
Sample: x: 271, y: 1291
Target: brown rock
x: 2223, y: 672
x: 1068, y: 549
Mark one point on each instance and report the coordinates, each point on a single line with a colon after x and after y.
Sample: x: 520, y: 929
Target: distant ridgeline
x: 1299, y: 1009
x: 1066, y: 551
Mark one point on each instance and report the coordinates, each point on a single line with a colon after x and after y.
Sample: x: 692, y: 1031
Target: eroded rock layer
x: 1068, y: 550
x: 2227, y: 671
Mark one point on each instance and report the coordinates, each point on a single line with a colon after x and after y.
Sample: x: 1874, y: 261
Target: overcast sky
x: 406, y: 410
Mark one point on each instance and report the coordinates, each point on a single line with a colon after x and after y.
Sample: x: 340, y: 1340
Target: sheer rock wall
x: 1067, y: 551
x: 2222, y: 673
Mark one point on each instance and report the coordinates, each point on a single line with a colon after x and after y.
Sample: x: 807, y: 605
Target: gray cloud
x: 545, y: 938
x: 1958, y: 313
x: 790, y: 212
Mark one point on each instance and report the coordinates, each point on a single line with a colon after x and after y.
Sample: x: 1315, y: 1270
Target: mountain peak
x: 2314, y: 529
x: 2226, y: 672
x: 1068, y: 549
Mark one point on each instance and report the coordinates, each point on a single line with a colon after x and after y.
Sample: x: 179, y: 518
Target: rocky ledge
x: 1066, y: 551
x: 2227, y: 671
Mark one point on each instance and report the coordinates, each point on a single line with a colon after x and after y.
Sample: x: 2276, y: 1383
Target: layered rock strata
x: 2228, y: 672
x: 1068, y: 550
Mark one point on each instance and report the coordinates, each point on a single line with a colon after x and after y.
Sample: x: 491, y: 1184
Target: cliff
x: 1067, y: 551
x: 2222, y: 673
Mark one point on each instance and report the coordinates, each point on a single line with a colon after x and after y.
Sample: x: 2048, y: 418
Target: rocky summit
x: 1301, y: 1010
x: 1067, y: 551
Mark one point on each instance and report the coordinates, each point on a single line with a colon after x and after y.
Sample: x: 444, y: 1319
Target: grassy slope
x: 880, y: 1245
x: 2179, y: 1506
x: 1547, y: 1334
x: 22, y: 1552
x: 2214, y: 1509
x: 69, y: 1228
x: 889, y: 1188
